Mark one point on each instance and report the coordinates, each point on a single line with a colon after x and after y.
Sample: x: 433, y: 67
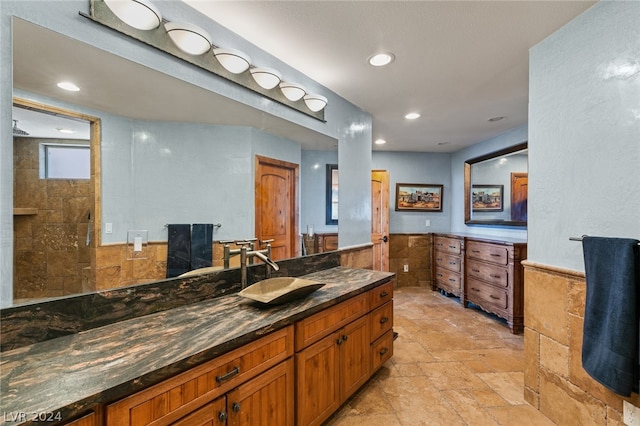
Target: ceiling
x: 458, y: 63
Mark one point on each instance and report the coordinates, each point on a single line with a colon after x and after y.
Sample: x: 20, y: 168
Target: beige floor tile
x: 469, y: 408
x: 510, y: 385
x: 521, y: 415
x: 452, y: 375
x: 366, y: 420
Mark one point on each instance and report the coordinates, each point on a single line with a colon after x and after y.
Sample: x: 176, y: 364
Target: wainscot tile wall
x: 554, y: 379
x: 413, y: 250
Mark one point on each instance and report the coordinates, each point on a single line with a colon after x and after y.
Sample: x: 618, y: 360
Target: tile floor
x: 451, y: 366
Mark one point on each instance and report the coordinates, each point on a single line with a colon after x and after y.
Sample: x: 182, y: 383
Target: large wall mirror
x: 495, y: 188
x: 152, y: 132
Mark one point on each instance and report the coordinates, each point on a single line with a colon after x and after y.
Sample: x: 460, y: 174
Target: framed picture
x: 418, y: 197
x: 487, y: 198
x: 332, y: 194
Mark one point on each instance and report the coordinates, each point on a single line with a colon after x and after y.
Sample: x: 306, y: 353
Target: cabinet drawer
x: 380, y: 295
x: 330, y: 243
x: 449, y: 245
x: 489, y: 252
x: 88, y: 420
x: 381, y: 320
x: 170, y: 400
x: 381, y: 350
x: 448, y: 279
x: 452, y: 263
x: 315, y: 327
x: 486, y: 294
x: 497, y: 275
x: 207, y: 415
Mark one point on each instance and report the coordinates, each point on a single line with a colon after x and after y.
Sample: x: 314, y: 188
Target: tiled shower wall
x: 413, y: 250
x: 50, y: 250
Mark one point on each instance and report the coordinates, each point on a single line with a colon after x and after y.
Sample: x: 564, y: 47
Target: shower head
x: 18, y: 131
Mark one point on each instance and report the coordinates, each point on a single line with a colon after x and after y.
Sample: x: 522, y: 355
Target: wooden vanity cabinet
x: 494, y: 279
x: 185, y: 394
x: 448, y: 264
x: 88, y: 420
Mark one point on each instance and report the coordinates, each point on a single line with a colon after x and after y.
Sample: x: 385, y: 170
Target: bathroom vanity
x: 226, y: 360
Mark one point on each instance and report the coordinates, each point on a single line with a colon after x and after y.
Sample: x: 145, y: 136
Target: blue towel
x: 201, y: 245
x: 178, y: 250
x: 610, y: 342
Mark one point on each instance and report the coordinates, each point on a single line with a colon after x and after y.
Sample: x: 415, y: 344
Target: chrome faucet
x: 247, y: 253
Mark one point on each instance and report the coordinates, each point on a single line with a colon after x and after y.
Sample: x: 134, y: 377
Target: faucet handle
x: 265, y: 242
x: 242, y: 243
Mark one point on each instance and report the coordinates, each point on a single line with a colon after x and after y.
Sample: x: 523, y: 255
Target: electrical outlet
x: 108, y: 228
x: 630, y: 414
x: 427, y: 223
x: 406, y: 268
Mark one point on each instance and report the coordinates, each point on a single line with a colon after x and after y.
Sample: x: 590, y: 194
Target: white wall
x: 584, y: 134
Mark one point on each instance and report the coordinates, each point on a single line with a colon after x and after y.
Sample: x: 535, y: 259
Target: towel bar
x: 580, y: 238
x: 215, y: 225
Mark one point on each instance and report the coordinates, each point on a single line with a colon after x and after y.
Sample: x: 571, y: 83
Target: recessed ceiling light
x: 381, y: 59
x: 380, y: 142
x: 62, y: 130
x: 412, y: 116
x: 67, y: 85
x: 496, y: 118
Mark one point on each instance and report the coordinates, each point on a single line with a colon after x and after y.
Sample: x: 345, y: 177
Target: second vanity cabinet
x: 448, y: 263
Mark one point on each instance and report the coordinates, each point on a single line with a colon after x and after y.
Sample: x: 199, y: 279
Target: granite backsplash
x: 26, y: 324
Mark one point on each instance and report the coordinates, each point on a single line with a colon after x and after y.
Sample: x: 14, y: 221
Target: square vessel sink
x: 275, y: 291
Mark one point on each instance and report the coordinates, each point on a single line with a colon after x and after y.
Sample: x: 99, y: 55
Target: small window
x: 65, y: 161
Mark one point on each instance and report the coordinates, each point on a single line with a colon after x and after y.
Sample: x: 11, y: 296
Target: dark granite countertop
x: 70, y: 375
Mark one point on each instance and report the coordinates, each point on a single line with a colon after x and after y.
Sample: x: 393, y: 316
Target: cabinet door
x: 266, y: 400
x: 355, y: 356
x: 212, y: 414
x: 317, y: 379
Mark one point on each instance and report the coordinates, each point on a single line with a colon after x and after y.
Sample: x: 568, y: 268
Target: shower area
x: 51, y: 204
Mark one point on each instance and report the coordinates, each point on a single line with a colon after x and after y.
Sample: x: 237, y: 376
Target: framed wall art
x: 418, y: 197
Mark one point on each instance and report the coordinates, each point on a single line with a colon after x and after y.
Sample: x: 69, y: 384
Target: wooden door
x: 380, y: 219
x: 317, y: 380
x: 276, y: 206
x: 519, y: 196
x: 355, y: 356
x: 266, y: 400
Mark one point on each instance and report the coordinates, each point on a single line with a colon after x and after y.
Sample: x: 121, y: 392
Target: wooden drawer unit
x: 174, y: 398
x: 315, y: 327
x: 381, y: 295
x: 381, y: 320
x: 381, y: 350
x: 448, y: 264
x: 497, y: 275
x: 488, y: 252
x: 494, y: 279
x: 452, y: 245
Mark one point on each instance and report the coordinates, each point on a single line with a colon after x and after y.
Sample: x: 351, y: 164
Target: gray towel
x: 610, y: 343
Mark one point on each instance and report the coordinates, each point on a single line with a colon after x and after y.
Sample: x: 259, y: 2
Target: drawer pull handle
x: 453, y: 247
x: 495, y: 276
x: 494, y: 297
x: 495, y: 255
x: 383, y: 351
x: 383, y: 294
x: 230, y: 374
x: 384, y: 320
x: 452, y: 280
x: 452, y: 263
x: 344, y: 337
x: 476, y: 270
x: 236, y: 407
x: 474, y: 289
x: 439, y: 275
x: 439, y: 259
x: 339, y: 341
x: 475, y: 251
x: 222, y: 416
